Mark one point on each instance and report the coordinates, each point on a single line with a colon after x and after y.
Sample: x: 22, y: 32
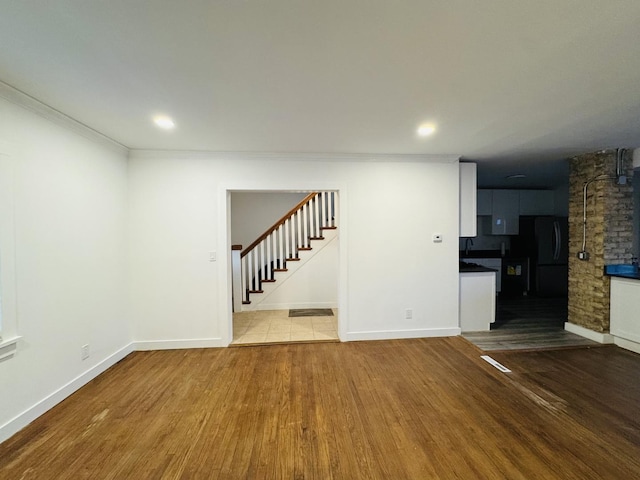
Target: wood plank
x: 421, y: 408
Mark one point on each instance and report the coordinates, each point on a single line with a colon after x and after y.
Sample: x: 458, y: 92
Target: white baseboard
x: 400, y: 334
x: 599, y: 337
x: 147, y: 345
x: 25, y: 418
x: 627, y: 344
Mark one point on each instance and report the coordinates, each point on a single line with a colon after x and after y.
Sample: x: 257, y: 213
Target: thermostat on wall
x: 437, y: 238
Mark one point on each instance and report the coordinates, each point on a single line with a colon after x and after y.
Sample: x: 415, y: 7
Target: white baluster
x: 256, y: 270
x: 303, y: 226
x: 325, y: 209
x: 316, y: 226
x: 307, y: 209
x: 276, y: 248
x: 296, y: 228
x: 261, y: 264
x: 333, y: 209
x: 249, y: 259
x: 270, y: 255
x: 287, y: 238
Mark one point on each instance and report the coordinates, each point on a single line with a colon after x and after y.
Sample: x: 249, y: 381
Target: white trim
x: 224, y: 244
x: 8, y: 347
x: 147, y: 345
x: 343, y: 262
x: 294, y: 156
x: 401, y: 334
x: 34, y: 105
x: 627, y: 344
x: 22, y: 420
x: 605, y: 338
x: 225, y: 275
x: 8, y: 284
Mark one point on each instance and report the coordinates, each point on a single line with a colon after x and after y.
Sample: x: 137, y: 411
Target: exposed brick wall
x: 609, y: 235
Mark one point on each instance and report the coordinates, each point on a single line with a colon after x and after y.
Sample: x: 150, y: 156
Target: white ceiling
x: 512, y: 84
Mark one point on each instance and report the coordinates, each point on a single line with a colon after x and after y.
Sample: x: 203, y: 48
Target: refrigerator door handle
x: 557, y: 237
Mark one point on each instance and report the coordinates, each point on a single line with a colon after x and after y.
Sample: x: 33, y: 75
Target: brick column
x: 609, y: 235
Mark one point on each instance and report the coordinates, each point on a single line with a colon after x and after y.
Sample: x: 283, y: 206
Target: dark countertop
x: 622, y: 271
x: 474, y: 268
x: 481, y: 254
x: 634, y: 276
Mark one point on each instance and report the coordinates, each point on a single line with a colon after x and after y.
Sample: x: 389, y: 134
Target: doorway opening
x: 287, y: 260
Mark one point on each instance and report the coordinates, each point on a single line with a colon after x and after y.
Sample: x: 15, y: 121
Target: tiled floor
x: 275, y: 326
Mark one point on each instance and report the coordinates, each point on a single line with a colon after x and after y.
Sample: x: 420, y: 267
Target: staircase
x: 286, y: 241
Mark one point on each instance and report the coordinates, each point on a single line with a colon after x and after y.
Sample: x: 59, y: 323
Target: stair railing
x: 282, y: 242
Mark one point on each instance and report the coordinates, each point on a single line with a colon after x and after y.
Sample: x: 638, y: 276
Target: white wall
x: 108, y: 251
x: 253, y: 212
x: 390, y: 209
x: 70, y: 243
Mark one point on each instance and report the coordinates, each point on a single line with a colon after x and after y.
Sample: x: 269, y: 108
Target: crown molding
x: 34, y: 105
x: 293, y: 156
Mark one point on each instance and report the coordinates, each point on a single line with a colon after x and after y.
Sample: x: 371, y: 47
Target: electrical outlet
x: 583, y: 255
x: 84, y: 352
x: 408, y: 314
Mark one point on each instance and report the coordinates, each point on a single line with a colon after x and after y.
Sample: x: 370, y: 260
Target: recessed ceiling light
x: 426, y: 129
x: 162, y: 121
x: 516, y: 175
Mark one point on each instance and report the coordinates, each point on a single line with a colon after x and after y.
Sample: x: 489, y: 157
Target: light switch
x: 212, y: 256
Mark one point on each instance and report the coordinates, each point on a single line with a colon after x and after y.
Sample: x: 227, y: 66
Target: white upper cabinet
x: 468, y: 188
x: 505, y: 214
x: 536, y: 202
x: 485, y: 198
x: 505, y: 207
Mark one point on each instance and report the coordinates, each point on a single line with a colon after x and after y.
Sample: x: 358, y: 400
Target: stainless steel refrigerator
x: 552, y: 256
x: 544, y: 240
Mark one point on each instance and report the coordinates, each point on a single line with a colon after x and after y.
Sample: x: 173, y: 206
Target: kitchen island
x: 477, y: 299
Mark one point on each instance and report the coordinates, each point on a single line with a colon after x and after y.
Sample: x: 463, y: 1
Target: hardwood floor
x: 401, y: 409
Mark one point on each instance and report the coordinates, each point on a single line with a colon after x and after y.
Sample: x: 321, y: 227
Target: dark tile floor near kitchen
x: 528, y: 323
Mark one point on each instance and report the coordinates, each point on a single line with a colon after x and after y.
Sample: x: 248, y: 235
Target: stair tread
x: 280, y: 269
x: 316, y: 238
x: 269, y: 280
x: 256, y: 291
x: 305, y: 248
x: 292, y: 259
x: 328, y: 228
